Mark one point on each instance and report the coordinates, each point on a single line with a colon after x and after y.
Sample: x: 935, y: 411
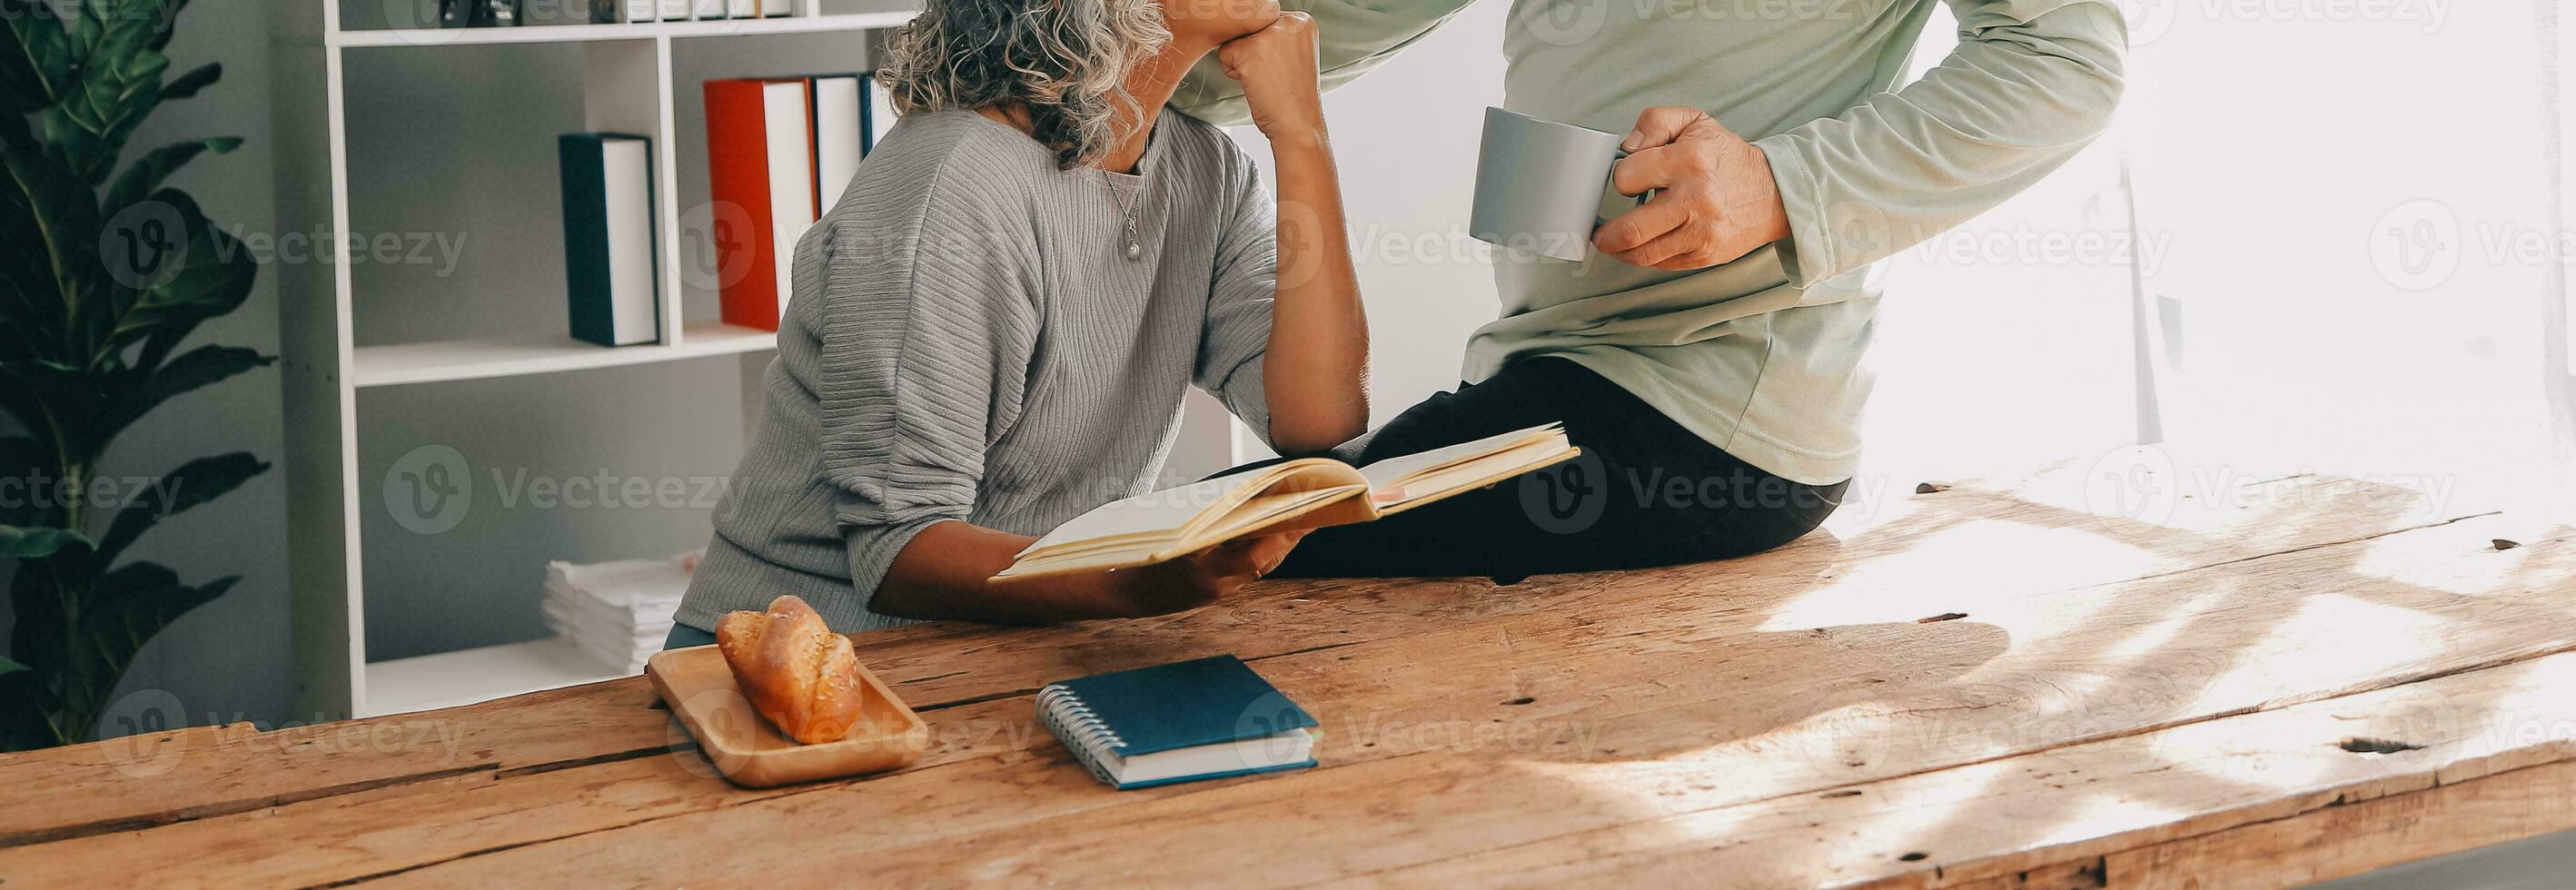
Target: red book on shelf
x: 760, y: 159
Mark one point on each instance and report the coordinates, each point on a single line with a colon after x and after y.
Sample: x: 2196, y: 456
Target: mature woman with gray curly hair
x: 992, y: 331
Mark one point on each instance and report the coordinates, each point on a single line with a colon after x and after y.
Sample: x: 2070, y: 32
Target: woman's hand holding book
x: 1201, y: 578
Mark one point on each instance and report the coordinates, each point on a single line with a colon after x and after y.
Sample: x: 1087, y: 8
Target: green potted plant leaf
x: 103, y: 274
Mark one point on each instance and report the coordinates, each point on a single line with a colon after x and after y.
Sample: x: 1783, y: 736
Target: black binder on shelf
x: 610, y: 265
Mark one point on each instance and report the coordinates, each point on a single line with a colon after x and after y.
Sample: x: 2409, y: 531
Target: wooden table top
x: 1988, y: 684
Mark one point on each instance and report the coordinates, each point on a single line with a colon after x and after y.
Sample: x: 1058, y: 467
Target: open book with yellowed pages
x: 1306, y: 493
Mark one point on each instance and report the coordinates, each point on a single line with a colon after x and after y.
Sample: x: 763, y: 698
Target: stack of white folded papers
x: 617, y: 612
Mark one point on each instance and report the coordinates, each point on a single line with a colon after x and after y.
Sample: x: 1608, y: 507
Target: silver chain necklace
x: 1127, y: 211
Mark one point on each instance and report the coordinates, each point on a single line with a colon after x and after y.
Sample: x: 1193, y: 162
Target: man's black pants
x: 1646, y: 492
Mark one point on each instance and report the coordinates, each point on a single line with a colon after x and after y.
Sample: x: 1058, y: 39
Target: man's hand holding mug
x: 1714, y: 199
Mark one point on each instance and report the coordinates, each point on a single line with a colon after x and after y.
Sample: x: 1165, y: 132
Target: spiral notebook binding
x: 1063, y: 712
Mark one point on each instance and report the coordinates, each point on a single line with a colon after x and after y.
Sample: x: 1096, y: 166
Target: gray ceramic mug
x: 1542, y: 186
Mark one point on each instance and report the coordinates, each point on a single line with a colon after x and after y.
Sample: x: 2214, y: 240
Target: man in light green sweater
x: 1728, y: 315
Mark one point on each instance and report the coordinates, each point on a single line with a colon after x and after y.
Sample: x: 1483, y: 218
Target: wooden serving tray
x: 699, y: 687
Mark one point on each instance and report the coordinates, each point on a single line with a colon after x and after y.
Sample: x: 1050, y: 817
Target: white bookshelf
x: 332, y: 355
x: 464, y: 677
x: 476, y: 359
x: 808, y: 22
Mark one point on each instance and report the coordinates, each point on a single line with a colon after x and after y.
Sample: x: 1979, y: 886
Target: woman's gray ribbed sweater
x: 968, y: 340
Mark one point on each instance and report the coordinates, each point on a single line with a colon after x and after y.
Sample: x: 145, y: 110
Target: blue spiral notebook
x: 1206, y: 718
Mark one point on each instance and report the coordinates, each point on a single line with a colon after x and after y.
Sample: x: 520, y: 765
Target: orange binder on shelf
x: 760, y: 158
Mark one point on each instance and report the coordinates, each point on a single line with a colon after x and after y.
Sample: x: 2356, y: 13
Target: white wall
x: 2301, y: 163
x: 2269, y: 150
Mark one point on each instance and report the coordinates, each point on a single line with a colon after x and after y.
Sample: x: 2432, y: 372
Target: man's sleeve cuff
x: 1207, y: 94
x: 1808, y: 254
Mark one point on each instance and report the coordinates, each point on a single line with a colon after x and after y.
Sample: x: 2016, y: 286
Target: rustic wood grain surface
x: 2010, y: 683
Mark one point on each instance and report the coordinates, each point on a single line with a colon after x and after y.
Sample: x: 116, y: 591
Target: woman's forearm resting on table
x: 946, y: 571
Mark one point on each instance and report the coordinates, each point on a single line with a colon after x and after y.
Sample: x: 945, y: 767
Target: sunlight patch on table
x: 1962, y: 566
x: 2491, y: 558
x: 2286, y: 655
